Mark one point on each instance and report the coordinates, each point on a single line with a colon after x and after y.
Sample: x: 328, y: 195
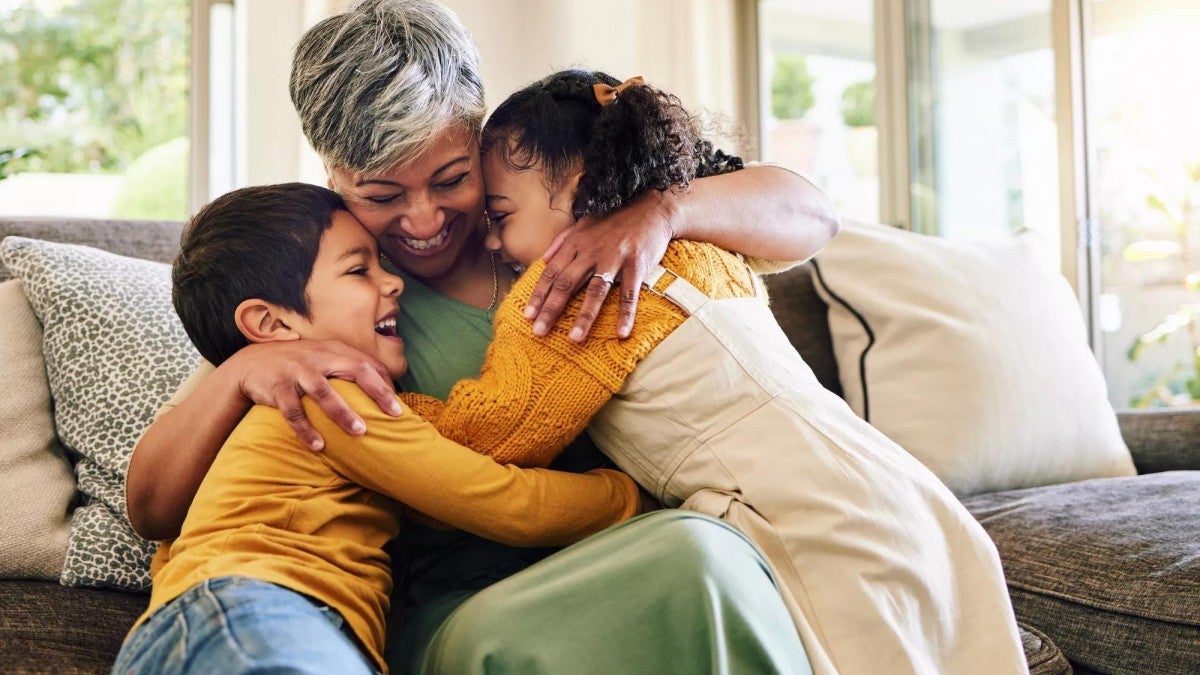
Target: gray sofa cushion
x: 47, y: 628
x: 1108, y: 568
x: 804, y: 318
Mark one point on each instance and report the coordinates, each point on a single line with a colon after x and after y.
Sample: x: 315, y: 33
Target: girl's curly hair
x: 644, y: 140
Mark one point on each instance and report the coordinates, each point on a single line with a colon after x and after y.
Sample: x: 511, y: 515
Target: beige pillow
x: 36, y: 482
x: 971, y: 355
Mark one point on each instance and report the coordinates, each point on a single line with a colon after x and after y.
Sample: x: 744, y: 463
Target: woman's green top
x: 444, y: 342
x: 444, y: 339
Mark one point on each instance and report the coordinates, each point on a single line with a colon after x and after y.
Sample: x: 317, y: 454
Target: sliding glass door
x: 1079, y: 119
x: 1143, y: 116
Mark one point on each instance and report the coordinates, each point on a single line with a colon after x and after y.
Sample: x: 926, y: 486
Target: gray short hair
x: 376, y: 84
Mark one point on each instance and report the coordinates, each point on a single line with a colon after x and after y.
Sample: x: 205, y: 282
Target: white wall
x: 266, y: 145
x: 688, y: 47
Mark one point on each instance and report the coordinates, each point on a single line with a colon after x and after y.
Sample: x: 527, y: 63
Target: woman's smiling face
x: 427, y: 212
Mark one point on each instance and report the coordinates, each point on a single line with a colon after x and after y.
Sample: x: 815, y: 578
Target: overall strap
x: 675, y: 288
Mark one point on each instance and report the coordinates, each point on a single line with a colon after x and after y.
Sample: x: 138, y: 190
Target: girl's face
x: 525, y: 215
x: 425, y: 214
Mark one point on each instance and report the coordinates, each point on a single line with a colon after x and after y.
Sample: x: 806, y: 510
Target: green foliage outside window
x: 791, y: 88
x: 12, y: 158
x: 92, y: 86
x: 858, y: 104
x: 1180, y: 384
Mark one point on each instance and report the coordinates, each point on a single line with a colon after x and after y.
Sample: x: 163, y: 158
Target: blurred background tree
x: 791, y: 88
x: 1177, y: 203
x: 92, y: 85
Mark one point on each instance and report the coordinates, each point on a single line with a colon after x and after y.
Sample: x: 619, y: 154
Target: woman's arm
x: 174, y: 454
x: 761, y: 211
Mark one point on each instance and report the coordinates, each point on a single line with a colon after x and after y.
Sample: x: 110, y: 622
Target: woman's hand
x: 279, y: 374
x: 622, y: 246
x: 761, y: 211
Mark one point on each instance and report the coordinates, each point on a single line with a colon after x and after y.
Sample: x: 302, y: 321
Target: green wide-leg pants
x: 667, y: 592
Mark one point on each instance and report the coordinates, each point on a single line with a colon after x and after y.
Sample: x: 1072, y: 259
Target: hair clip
x: 606, y: 94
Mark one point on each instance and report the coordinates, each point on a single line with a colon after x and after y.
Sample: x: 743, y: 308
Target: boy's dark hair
x: 643, y: 140
x: 256, y: 242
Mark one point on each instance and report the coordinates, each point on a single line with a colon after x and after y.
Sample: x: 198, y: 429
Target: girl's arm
x: 535, y: 395
x: 407, y: 460
x: 174, y: 454
x: 764, y: 212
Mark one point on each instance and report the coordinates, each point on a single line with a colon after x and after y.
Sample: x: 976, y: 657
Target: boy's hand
x: 279, y: 374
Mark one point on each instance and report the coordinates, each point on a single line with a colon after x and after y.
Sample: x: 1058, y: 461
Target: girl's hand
x: 279, y: 374
x: 622, y: 246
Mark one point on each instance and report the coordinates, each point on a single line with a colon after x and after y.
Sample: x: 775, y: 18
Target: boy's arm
x: 174, y: 454
x: 406, y: 459
x: 534, y: 395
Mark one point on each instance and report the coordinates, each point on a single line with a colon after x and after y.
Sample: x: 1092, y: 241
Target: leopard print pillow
x: 115, y: 351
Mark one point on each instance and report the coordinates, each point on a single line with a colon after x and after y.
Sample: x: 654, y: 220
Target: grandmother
x: 389, y: 95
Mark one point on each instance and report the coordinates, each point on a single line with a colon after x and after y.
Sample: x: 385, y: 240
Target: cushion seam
x: 1094, y: 604
x: 862, y: 358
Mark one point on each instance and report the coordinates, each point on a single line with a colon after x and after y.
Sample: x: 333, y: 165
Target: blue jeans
x: 241, y: 625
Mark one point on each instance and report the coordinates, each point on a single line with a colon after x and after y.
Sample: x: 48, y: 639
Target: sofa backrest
x: 147, y: 239
x: 796, y: 305
x: 804, y: 319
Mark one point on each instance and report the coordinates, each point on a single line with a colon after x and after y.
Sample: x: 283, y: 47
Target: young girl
x: 709, y: 407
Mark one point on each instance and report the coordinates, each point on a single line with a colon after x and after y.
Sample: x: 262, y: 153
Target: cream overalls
x: 883, y: 570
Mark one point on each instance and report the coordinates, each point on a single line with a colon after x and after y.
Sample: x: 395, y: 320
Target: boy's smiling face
x: 351, y: 298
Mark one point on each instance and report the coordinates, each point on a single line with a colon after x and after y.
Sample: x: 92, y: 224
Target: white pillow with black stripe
x: 972, y: 356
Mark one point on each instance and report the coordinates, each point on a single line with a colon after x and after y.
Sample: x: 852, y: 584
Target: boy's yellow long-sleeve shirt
x: 534, y: 395
x: 316, y: 523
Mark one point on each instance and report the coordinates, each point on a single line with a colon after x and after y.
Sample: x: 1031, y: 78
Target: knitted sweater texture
x: 535, y: 395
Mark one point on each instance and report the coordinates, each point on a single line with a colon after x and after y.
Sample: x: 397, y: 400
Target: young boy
x: 280, y: 561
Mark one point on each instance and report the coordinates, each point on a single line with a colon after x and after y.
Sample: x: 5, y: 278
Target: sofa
x: 1104, y: 574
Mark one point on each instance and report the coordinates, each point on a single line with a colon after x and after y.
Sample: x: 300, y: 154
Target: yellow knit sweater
x: 535, y: 395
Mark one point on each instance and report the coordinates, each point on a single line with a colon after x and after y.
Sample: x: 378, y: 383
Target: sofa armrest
x: 1162, y: 440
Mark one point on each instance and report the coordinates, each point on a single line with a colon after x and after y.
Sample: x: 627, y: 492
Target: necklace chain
x: 495, y: 278
x: 495, y: 283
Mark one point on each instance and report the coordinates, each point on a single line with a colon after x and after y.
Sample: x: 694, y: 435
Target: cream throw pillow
x: 114, y: 350
x: 36, y: 482
x: 972, y: 356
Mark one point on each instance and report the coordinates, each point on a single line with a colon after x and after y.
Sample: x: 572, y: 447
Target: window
x: 94, y: 108
x: 985, y: 161
x: 1144, y: 127
x: 1075, y: 118
x: 818, y: 88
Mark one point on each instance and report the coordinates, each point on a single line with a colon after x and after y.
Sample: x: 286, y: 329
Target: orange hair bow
x: 606, y: 94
